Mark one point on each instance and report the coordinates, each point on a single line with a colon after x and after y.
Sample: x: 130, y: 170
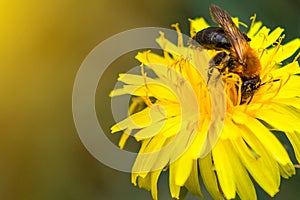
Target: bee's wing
x: 234, y: 34
x: 215, y: 101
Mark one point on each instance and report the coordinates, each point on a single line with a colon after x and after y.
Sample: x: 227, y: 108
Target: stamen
x: 271, y: 80
x: 296, y: 57
x: 270, y: 66
x: 229, y: 101
x: 162, y: 36
x: 146, y: 98
x: 262, y: 51
x: 180, y: 39
x: 177, y: 64
x: 264, y: 36
x: 243, y: 24
x: 253, y: 19
x: 167, y: 56
x: 277, y: 90
x: 278, y: 45
x: 192, y: 32
x: 279, y: 40
x: 285, y: 82
x: 239, y: 91
x: 147, y: 57
x: 233, y: 96
x: 272, y: 63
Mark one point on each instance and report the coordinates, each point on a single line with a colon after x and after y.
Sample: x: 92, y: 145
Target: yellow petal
x: 135, y: 90
x: 294, y: 138
x: 152, y: 156
x: 287, y: 170
x: 295, y: 102
x: 287, y: 50
x: 244, y: 185
x: 167, y: 128
x: 273, y: 36
x: 197, y: 25
x: 230, y: 130
x: 154, y: 178
x: 289, y: 69
x: 123, y: 140
x: 162, y: 91
x: 174, y: 188
x: 200, y: 141
x: 270, y: 142
x: 150, y: 131
x: 179, y: 35
x: 145, y: 182
x: 290, y: 89
x: 192, y: 183
x: 260, y: 165
x: 134, y: 79
x: 237, y: 22
x: 277, y: 54
x: 165, y: 119
x: 209, y: 178
x: 171, y: 48
x: 137, y: 104
x: 260, y: 38
x: 148, y: 58
x: 253, y: 30
x: 160, y: 65
x: 280, y: 117
x: 181, y: 169
x: 140, y: 119
x: 224, y: 169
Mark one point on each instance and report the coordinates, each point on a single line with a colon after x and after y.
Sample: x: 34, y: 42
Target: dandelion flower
x: 176, y: 127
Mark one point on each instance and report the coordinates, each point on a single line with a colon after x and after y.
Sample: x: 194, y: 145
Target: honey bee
x: 236, y: 55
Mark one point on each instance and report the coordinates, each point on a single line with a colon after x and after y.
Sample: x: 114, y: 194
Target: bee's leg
x: 275, y: 80
x: 218, y: 59
x: 251, y: 97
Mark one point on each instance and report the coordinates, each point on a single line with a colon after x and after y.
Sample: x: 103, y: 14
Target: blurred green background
x: 42, y: 44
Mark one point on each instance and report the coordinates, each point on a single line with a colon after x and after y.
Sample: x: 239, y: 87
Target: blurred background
x: 42, y: 45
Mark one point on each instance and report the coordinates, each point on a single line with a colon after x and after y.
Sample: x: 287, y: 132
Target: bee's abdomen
x: 213, y: 38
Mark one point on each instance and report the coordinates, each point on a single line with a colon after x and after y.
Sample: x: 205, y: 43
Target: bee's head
x: 249, y: 86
